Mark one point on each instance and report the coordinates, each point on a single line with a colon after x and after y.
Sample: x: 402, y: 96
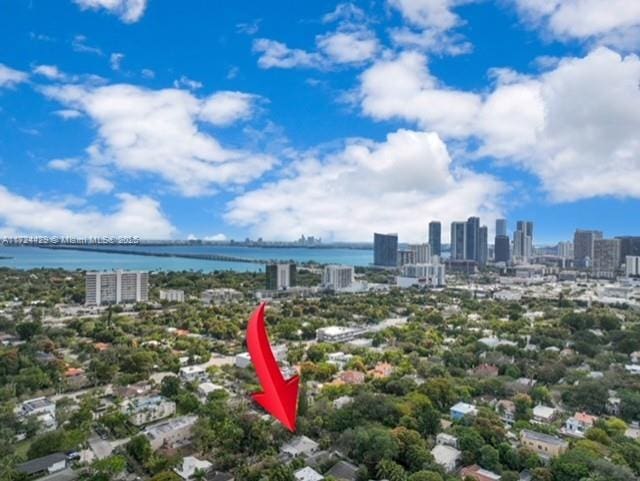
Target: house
x: 342, y: 401
x: 343, y: 471
x: 41, y: 408
x: 507, y: 411
x: 75, y: 377
x: 447, y: 440
x: 479, y: 474
x: 192, y: 465
x: 486, y: 370
x: 352, y: 377
x: 42, y: 466
x: 544, y: 444
x: 578, y: 424
x: 206, y: 388
x: 446, y: 456
x: 193, y: 373
x: 543, y: 414
x: 461, y: 410
x: 632, y: 368
x: 308, y: 474
x: 339, y: 359
x: 243, y: 360
x: 381, y: 371
x: 144, y: 410
x: 300, y: 446
x: 171, y: 433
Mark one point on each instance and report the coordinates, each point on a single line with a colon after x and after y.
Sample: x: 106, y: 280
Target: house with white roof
x: 191, y: 466
x: 308, y: 474
x: 462, y: 409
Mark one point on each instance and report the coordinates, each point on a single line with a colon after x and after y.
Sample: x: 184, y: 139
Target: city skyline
x: 332, y: 120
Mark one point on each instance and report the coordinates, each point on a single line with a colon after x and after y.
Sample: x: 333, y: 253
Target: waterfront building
x: 119, y: 287
x: 458, y: 240
x: 337, y: 276
x: 385, y: 250
x: 280, y: 276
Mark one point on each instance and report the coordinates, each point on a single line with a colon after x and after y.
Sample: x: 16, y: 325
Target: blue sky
x: 276, y: 119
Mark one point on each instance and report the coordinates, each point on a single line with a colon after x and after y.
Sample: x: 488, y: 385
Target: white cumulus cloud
x: 10, y: 77
x: 129, y: 11
x: 157, y: 132
x: 394, y: 185
x: 132, y: 216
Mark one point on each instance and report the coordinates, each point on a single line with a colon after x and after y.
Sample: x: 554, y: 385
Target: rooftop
x: 543, y: 438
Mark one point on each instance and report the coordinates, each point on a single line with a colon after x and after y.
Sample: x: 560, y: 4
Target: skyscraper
x: 280, y: 276
x: 385, y: 250
x: 501, y: 227
x: 502, y: 249
x: 583, y: 246
x: 435, y: 238
x: 483, y: 245
x: 629, y: 246
x: 523, y: 241
x: 473, y: 239
x: 458, y: 240
x: 606, y: 258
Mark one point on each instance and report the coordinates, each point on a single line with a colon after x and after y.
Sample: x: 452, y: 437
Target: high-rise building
x: 632, y: 266
x: 435, y: 238
x: 583, y: 241
x: 629, y: 246
x: 458, y: 240
x: 523, y: 241
x: 502, y: 249
x: 385, y: 250
x: 565, y: 250
x: 501, y: 227
x: 406, y: 256
x: 606, y: 258
x: 118, y: 287
x: 483, y: 245
x: 337, y: 276
x: 280, y: 276
x: 473, y: 239
x: 421, y: 253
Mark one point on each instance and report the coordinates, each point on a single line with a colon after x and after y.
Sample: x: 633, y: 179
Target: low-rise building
x: 307, y: 474
x: 170, y: 433
x: 172, y: 295
x: 446, y: 456
x: 193, y: 373
x: 578, y: 424
x: 220, y: 295
x: 479, y: 474
x: 145, y: 410
x: 352, y: 377
x: 42, y: 409
x: 300, y: 446
x: 462, y: 409
x: 544, y: 444
x: 243, y: 360
x: 338, y: 333
x: 543, y: 414
x: 191, y: 466
x: 42, y: 466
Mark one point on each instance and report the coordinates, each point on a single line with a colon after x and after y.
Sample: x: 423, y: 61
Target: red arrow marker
x: 279, y: 396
